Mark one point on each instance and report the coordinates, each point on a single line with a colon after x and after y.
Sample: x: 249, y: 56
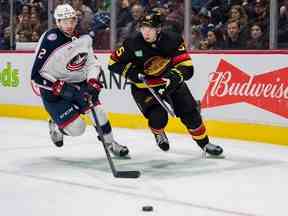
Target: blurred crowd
x: 214, y: 24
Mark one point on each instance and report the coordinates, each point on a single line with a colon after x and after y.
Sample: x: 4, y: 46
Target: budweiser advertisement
x: 230, y: 85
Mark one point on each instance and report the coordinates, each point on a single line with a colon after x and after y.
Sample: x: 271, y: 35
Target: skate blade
x: 126, y: 157
x: 215, y: 156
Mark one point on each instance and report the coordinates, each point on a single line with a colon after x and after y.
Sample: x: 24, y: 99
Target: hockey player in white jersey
x: 66, y: 71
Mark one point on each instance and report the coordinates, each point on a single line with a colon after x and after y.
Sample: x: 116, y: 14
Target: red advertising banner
x: 228, y: 85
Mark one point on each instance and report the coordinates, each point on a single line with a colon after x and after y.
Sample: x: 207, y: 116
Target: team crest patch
x: 52, y: 37
x: 77, y: 62
x: 139, y: 53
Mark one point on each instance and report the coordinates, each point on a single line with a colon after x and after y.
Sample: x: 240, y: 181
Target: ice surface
x: 38, y: 179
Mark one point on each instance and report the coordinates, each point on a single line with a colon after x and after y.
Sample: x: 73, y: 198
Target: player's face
x: 149, y: 33
x: 68, y: 25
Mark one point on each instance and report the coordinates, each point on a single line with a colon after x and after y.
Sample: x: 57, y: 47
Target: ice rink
x: 38, y: 179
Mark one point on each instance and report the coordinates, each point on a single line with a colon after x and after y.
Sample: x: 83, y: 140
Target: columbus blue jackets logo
x: 77, y: 62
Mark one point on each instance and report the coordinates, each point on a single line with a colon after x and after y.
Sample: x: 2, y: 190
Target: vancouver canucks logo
x: 77, y: 62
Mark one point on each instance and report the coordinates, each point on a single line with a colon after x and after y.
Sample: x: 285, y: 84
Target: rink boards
x: 243, y: 95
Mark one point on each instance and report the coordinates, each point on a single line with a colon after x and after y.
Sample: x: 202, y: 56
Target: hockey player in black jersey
x: 161, y: 57
x: 66, y: 72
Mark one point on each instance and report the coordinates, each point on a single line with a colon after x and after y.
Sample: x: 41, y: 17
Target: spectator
x: 78, y: 5
x: 284, y: 10
x: 132, y: 27
x: 175, y: 19
x: 214, y: 39
x: 283, y: 25
x: 35, y: 36
x: 205, y: 20
x: 100, y: 21
x: 261, y: 14
x: 100, y: 5
x: 5, y: 41
x: 23, y: 25
x: 25, y: 10
x: 84, y: 26
x: 257, y: 39
x: 151, y: 4
x: 24, y: 36
x: 124, y: 15
x: 198, y: 4
x: 235, y: 40
x: 1, y: 25
x: 195, y: 38
x: 85, y: 11
x: 35, y: 23
x: 238, y: 13
x: 203, y: 45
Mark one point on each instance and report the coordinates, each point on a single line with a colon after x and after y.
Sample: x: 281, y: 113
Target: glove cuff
x: 177, y: 73
x: 94, y: 83
x: 57, y: 87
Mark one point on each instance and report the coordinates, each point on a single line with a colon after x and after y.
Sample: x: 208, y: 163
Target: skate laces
x: 55, y: 133
x: 116, y: 148
x: 161, y: 138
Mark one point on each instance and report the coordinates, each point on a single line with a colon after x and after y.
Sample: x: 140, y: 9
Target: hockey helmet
x: 152, y: 19
x: 64, y: 11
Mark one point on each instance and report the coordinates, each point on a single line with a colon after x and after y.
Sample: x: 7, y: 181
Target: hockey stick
x: 116, y: 174
x: 157, y: 97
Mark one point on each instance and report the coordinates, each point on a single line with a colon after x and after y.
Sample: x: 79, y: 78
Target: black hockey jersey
x: 151, y: 59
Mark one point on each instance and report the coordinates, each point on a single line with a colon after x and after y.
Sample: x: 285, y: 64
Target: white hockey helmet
x: 64, y: 11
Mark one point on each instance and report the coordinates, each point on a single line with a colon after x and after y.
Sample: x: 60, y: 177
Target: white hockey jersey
x: 59, y: 57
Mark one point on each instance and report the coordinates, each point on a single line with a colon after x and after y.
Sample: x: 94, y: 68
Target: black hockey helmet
x: 152, y: 19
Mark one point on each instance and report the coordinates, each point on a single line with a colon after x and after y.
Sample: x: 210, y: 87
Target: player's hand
x: 64, y: 89
x: 134, y: 74
x: 71, y: 93
x: 174, y: 79
x: 94, y: 87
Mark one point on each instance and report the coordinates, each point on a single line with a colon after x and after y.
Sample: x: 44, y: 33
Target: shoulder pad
x: 52, y: 35
x: 53, y: 39
x: 133, y: 41
x: 172, y: 40
x: 88, y: 38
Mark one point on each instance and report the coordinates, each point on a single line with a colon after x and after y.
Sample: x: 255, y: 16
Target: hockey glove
x: 94, y: 88
x: 133, y: 74
x: 174, y: 79
x: 71, y: 93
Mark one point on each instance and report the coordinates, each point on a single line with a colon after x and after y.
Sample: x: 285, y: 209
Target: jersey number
x: 120, y: 51
x: 42, y: 53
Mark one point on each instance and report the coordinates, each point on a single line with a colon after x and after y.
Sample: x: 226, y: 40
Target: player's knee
x: 75, y: 128
x: 157, y: 117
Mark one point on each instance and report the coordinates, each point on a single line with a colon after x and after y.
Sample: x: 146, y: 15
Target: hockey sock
x: 104, y: 124
x: 199, y: 135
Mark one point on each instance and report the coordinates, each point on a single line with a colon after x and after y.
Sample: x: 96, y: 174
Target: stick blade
x: 127, y: 174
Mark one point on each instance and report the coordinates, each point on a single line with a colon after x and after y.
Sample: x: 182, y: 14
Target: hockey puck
x: 147, y: 208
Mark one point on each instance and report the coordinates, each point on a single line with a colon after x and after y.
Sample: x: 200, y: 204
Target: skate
x: 213, y: 150
x: 162, y: 140
x: 55, y: 134
x: 118, y: 150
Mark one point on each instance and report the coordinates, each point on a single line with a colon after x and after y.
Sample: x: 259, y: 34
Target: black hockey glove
x: 174, y: 79
x: 94, y: 88
x: 134, y: 73
x: 71, y: 93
